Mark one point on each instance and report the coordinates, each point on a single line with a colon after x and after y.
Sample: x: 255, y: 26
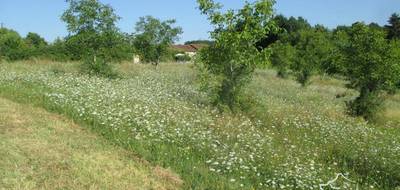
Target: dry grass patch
x: 40, y: 150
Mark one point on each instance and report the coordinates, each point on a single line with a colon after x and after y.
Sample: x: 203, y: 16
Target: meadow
x: 289, y: 137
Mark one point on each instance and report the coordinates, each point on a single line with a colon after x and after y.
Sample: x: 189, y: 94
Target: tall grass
x: 291, y: 137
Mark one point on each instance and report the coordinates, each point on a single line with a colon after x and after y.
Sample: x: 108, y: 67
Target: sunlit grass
x: 39, y: 150
x: 292, y: 137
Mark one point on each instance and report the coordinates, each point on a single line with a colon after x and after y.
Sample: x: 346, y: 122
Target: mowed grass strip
x: 39, y: 150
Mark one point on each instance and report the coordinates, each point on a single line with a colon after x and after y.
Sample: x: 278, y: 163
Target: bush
x: 182, y: 57
x: 99, y: 68
x: 12, y: 46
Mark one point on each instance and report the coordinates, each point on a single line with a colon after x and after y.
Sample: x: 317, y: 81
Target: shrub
x: 12, y: 46
x: 182, y: 57
x: 99, y: 68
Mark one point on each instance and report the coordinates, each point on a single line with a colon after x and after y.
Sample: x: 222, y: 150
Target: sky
x: 43, y: 16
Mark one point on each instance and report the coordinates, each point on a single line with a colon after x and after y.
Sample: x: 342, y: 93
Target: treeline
x: 94, y: 37
x: 302, y: 50
x: 14, y: 47
x: 366, y: 55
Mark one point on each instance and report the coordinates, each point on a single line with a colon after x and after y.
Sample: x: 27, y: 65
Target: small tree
x: 153, y: 37
x: 282, y: 58
x: 37, y: 45
x: 313, y: 50
x: 57, y: 50
x: 371, y: 65
x: 234, y: 56
x: 394, y: 27
x: 93, y: 33
x: 35, y: 40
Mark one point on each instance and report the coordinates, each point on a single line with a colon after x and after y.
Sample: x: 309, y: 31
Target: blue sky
x: 43, y: 16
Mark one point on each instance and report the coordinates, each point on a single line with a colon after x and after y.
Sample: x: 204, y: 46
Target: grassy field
x: 40, y: 150
x: 290, y: 138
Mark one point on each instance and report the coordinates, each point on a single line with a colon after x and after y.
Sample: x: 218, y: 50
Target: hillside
x: 289, y: 137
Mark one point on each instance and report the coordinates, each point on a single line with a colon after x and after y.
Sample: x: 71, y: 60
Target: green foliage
x: 234, y: 56
x: 94, y: 33
x: 371, y: 65
x: 394, y: 27
x: 290, y: 28
x: 57, y: 51
x: 37, y: 45
x: 300, y: 138
x: 314, y: 49
x: 93, y: 29
x: 35, y: 40
x: 153, y: 37
x: 12, y: 46
x: 282, y: 58
x: 98, y: 68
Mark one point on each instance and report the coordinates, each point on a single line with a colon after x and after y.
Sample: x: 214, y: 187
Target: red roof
x: 188, y: 48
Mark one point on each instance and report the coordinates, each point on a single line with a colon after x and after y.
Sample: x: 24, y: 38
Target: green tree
x: 314, y: 49
x: 93, y: 33
x: 12, y: 46
x: 282, y: 58
x: 58, y: 50
x: 234, y: 56
x: 35, y: 40
x: 153, y: 37
x: 394, y: 27
x: 372, y: 65
x: 36, y: 44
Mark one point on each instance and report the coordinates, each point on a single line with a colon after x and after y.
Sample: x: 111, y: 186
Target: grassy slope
x: 305, y: 126
x: 39, y: 150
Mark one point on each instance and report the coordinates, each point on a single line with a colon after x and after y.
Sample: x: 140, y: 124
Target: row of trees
x: 368, y: 56
x: 95, y: 39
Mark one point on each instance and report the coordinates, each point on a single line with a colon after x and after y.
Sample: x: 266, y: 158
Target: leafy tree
x: 153, y: 37
x: 12, y: 46
x: 282, y: 58
x: 234, y: 56
x: 36, y: 44
x: 375, y: 26
x: 58, y: 50
x: 394, y: 27
x: 334, y: 64
x: 290, y: 28
x: 35, y: 40
x: 372, y: 65
x: 93, y: 32
x: 314, y: 49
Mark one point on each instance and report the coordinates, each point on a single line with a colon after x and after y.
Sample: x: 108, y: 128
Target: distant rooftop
x: 189, y: 47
